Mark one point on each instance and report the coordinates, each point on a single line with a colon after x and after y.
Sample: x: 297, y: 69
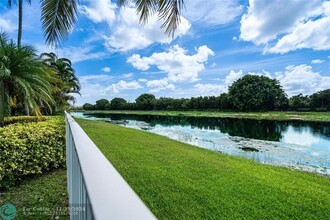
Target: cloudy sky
x: 217, y: 42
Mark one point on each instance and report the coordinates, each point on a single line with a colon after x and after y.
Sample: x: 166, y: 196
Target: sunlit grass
x: 180, y: 181
x: 41, y: 197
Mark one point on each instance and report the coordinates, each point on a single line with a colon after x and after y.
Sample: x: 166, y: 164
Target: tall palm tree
x: 68, y: 82
x: 59, y: 16
x: 20, y: 19
x: 23, y: 78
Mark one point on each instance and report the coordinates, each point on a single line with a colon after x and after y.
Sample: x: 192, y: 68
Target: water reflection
x: 304, y: 145
x: 257, y: 129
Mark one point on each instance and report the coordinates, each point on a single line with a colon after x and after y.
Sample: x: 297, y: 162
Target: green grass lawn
x: 180, y: 181
x: 40, y: 197
x: 301, y: 116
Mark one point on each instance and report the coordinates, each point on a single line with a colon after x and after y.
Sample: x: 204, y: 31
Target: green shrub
x: 31, y: 148
x: 23, y: 119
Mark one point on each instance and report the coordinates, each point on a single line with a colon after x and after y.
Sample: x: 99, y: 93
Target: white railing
x: 96, y: 189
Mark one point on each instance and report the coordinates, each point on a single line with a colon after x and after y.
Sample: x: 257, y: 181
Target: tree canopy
x: 118, y: 103
x: 145, y: 102
x: 256, y: 93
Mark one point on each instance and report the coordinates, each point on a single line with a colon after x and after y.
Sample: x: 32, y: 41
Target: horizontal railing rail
x: 96, y: 189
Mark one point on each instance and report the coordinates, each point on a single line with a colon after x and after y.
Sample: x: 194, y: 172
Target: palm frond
x: 58, y: 18
x: 169, y: 11
x: 146, y: 8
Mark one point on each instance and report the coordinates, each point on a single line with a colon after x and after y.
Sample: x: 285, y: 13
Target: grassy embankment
x: 180, y: 181
x: 301, y: 116
x: 41, y: 197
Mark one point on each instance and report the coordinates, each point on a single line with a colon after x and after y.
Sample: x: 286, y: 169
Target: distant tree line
x: 249, y: 93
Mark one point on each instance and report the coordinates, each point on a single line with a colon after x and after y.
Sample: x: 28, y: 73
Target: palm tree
x: 59, y: 16
x: 20, y: 19
x: 68, y: 83
x: 23, y: 78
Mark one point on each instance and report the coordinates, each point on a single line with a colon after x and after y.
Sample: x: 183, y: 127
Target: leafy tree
x: 102, y: 104
x: 224, y: 101
x: 299, y: 102
x: 320, y: 100
x: 23, y: 78
x: 185, y: 104
x: 145, y: 101
x: 88, y: 106
x: 256, y: 93
x: 118, y: 103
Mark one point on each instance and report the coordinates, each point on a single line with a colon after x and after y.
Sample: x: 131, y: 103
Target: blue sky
x: 217, y: 42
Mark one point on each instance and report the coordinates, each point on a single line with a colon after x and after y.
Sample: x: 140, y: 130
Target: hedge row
x: 31, y: 148
x: 23, y: 119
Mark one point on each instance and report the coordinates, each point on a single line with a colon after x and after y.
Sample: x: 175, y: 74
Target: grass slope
x: 180, y: 181
x: 40, y: 197
x: 296, y: 116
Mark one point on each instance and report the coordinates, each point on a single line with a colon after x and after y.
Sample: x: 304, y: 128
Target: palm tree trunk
x: 20, y: 21
x: 2, y: 103
x: 26, y: 107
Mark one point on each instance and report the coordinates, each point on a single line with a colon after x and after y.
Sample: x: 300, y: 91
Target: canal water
x: 294, y: 144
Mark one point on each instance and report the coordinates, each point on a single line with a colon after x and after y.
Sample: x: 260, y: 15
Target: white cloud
x: 106, y: 69
x: 159, y: 85
x: 143, y: 80
x: 317, y: 61
x: 75, y: 54
x: 92, y: 88
x: 179, y: 66
x: 212, y: 12
x: 312, y: 34
x: 157, y: 82
x: 302, y: 79
x: 94, y: 78
x: 99, y: 11
x: 233, y: 76
x: 128, y: 75
x: 123, y: 85
x: 7, y: 26
x: 210, y: 89
x: 295, y: 25
x: 79, y: 54
x: 262, y: 73
x: 128, y: 33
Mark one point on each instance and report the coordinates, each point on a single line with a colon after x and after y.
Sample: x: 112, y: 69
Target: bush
x: 31, y: 148
x: 23, y: 119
